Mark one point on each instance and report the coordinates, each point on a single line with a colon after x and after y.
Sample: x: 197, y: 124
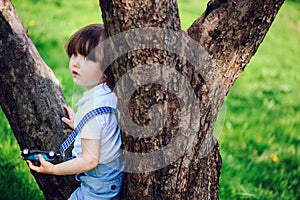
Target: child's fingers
x: 46, y: 167
x: 29, y: 163
x: 70, y: 111
x: 43, y: 168
x: 66, y: 120
x: 69, y: 122
x: 41, y: 159
x: 32, y: 166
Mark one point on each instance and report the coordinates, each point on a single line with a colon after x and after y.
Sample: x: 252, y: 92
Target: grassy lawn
x: 259, y: 138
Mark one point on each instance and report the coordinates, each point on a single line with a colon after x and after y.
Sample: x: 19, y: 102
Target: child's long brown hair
x: 86, y: 42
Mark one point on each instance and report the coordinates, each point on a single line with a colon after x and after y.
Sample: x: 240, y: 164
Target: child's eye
x: 75, y: 54
x: 88, y: 59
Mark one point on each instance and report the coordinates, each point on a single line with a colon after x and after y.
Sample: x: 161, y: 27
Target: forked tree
x: 170, y: 84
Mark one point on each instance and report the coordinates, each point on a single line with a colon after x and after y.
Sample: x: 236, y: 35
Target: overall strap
x: 83, y: 121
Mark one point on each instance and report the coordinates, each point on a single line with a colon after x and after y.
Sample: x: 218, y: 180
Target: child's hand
x: 45, y: 167
x: 70, y: 121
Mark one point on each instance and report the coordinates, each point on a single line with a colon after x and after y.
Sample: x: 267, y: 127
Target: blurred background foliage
x: 259, y: 124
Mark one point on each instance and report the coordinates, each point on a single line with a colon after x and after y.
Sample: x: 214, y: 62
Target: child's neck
x: 93, y: 86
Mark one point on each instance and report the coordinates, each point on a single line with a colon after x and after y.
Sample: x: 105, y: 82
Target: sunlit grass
x: 16, y: 180
x: 259, y: 137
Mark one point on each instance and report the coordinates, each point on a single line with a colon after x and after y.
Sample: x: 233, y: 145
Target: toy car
x: 32, y: 155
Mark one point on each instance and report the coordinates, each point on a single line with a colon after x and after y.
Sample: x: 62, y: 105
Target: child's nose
x: 77, y: 62
x: 76, y: 65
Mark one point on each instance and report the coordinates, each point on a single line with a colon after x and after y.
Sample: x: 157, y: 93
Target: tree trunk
x: 230, y: 31
x: 170, y: 86
x: 31, y: 98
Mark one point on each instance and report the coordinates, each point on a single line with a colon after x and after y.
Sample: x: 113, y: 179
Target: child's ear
x: 104, y: 77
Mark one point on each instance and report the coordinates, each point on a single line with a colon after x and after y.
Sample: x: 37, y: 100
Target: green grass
x: 16, y: 180
x: 259, y: 137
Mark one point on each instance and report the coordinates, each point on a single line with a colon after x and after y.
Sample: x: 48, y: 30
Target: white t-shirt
x: 104, y: 127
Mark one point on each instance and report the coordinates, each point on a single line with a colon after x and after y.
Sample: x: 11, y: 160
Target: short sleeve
x: 93, y: 128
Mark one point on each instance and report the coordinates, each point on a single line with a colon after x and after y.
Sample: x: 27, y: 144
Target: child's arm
x: 88, y: 161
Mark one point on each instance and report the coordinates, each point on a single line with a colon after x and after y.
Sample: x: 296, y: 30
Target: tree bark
x: 232, y: 31
x: 31, y: 98
x: 228, y: 33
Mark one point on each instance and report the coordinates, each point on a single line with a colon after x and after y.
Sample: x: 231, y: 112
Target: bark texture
x: 232, y: 31
x: 229, y: 30
x: 31, y: 98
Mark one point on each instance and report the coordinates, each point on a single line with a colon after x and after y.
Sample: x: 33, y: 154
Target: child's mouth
x: 75, y: 74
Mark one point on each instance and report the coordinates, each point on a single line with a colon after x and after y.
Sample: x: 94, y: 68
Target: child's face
x: 85, y: 72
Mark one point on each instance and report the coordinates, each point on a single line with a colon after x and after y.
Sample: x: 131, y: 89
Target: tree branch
x: 31, y: 98
x: 231, y: 31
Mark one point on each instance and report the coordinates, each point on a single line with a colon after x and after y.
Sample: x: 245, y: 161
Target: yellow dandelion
x: 255, y: 152
x: 32, y: 23
x: 275, y: 158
